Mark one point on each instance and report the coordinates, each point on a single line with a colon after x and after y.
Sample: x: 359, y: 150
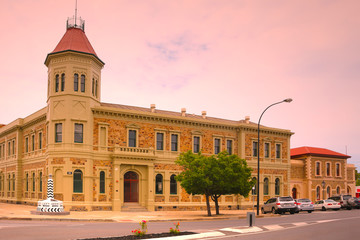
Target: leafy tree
x: 357, y: 178
x: 214, y: 176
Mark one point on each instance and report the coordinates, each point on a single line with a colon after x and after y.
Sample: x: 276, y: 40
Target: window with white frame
x: 196, y: 144
x: 254, y: 149
x: 78, y: 133
x: 328, y: 169
x: 58, y: 132
x: 337, y: 169
x: 174, y: 142
x: 278, y: 150
x: 229, y: 146
x: 132, y: 138
x: 217, y: 145
x: 317, y: 168
x: 267, y: 150
x: 159, y: 141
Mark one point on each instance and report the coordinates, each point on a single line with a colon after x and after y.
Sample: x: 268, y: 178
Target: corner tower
x: 74, y: 83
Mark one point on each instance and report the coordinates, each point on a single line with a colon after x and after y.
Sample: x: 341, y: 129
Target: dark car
x: 357, y: 203
x: 346, y: 201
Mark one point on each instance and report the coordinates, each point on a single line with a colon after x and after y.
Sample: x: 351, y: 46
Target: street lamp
x: 288, y: 100
x: 323, y: 185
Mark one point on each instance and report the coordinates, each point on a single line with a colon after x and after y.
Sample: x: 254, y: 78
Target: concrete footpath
x: 23, y: 212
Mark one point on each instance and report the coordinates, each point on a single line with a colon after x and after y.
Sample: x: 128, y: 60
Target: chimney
x: 152, y: 107
x: 183, y: 112
x: 247, y: 119
x: 203, y: 113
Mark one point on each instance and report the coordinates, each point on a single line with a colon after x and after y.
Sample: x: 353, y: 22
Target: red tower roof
x: 315, y: 151
x: 74, y: 40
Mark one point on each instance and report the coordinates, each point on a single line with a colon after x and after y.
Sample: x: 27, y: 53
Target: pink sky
x: 229, y: 58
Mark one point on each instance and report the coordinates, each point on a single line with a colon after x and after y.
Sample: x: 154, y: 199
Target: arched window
x: 102, y: 182
x: 328, y: 191
x: 93, y: 86
x: 318, y: 193
x: 76, y: 82
x: 338, y: 169
x: 266, y: 186
x: 277, y: 186
x: 338, y: 190
x: 159, y: 184
x: 33, y: 182
x: 254, y: 188
x: 348, y: 190
x: 82, y: 83
x: 27, y: 182
x: 173, y: 185
x: 62, y: 82
x: 96, y: 88
x: 78, y: 181
x: 57, y: 83
x: 40, y: 182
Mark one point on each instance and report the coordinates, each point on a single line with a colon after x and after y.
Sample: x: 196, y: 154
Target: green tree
x: 214, y: 176
x: 357, y: 178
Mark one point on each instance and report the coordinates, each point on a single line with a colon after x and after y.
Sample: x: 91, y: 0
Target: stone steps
x: 133, y: 207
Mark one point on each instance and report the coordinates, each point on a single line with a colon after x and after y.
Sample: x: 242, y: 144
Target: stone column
x: 151, y: 193
x: 116, y: 201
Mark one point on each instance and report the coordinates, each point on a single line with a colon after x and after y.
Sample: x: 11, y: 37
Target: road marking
x: 245, y: 230
x: 273, y: 227
x: 194, y: 236
x: 299, y: 224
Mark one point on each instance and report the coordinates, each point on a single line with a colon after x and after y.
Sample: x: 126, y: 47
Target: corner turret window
x: 76, y: 82
x: 96, y: 88
x: 78, y: 133
x: 82, y: 83
x: 58, y: 132
x: 62, y: 82
x: 57, y: 83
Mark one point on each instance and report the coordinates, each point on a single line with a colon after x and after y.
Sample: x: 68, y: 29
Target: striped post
x: 50, y: 187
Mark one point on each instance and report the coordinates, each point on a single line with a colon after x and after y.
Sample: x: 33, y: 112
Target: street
x: 317, y: 225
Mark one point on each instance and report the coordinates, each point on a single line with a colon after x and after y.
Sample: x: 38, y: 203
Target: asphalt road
x: 317, y: 225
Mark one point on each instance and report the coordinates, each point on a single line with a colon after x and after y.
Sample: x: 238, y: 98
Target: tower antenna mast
x: 75, y: 11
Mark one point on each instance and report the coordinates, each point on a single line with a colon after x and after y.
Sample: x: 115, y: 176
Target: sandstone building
x: 318, y: 173
x: 105, y: 156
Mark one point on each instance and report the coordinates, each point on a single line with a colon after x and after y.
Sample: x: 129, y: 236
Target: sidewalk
x: 22, y: 212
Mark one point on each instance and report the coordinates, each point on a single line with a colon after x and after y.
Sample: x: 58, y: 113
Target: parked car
x: 327, y: 204
x: 357, y: 203
x: 304, y: 204
x: 279, y: 205
x: 345, y: 200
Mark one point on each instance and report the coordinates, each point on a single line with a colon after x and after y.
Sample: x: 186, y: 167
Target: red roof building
x: 296, y: 152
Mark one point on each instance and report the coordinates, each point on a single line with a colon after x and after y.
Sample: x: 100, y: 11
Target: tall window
x: 33, y: 143
x: 317, y: 192
x: 216, y: 145
x: 102, y: 182
x: 159, y: 141
x: 327, y: 169
x: 27, y: 182
x: 196, y: 144
x: 33, y: 182
x: 266, y: 186
x: 174, y: 142
x: 328, y: 191
x: 58, y: 132
x: 9, y: 183
x: 76, y: 82
x: 13, y: 147
x: 57, y: 83
x: 78, y: 181
x: 62, y: 82
x: 173, y: 185
x: 40, y: 140
x: 159, y: 184
x: 82, y: 83
x: 78, y: 133
x: 13, y: 181
x: 267, y: 150
x: 93, y: 86
x: 229, y: 146
x: 27, y: 144
x: 338, y: 190
x: 96, y: 88
x: 254, y: 189
x: 317, y: 168
x: 9, y: 148
x: 278, y: 150
x: 277, y: 186
x: 255, y: 149
x: 132, y: 138
x: 338, y: 169
x: 40, y: 182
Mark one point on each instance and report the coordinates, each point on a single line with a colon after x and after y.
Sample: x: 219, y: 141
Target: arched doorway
x: 131, y: 187
x: 294, y: 193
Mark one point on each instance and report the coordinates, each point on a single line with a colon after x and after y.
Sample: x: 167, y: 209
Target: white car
x: 327, y: 204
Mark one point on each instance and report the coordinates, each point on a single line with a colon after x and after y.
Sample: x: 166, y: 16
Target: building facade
x: 106, y: 156
x: 318, y: 173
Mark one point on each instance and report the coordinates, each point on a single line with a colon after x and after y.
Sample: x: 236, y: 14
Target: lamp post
x: 253, y: 197
x: 323, y: 185
x: 288, y: 100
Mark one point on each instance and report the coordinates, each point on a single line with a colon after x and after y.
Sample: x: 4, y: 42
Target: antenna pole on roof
x: 75, y: 11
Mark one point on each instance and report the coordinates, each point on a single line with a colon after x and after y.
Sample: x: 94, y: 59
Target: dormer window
x: 82, y: 83
x: 76, y: 82
x: 62, y: 82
